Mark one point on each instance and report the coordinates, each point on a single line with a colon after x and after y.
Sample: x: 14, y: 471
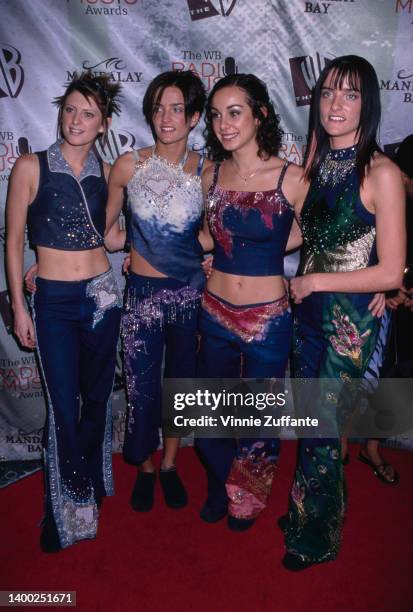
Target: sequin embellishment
x: 249, y: 322
x: 104, y: 290
x: 336, y: 166
x: 163, y: 193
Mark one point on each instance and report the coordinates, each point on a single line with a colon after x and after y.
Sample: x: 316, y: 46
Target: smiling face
x: 340, y: 109
x: 169, y: 121
x: 232, y: 119
x: 82, y: 121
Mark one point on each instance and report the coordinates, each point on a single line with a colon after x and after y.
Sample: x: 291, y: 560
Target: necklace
x: 181, y: 163
x: 249, y: 176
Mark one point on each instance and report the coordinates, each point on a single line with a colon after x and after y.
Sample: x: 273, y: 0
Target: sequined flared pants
x: 251, y: 341
x: 77, y: 329
x: 160, y: 317
x: 334, y: 337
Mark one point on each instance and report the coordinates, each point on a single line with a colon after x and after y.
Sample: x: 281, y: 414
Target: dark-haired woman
x: 62, y: 194
x: 352, y: 223
x: 163, y: 287
x: 245, y: 321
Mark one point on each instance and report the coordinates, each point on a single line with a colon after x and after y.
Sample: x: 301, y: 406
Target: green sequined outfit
x: 335, y: 334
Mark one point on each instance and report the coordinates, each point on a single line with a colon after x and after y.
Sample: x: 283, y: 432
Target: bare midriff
x: 240, y: 290
x: 139, y: 265
x: 56, y: 264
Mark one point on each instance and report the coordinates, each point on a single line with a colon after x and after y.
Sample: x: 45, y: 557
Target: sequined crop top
x: 165, y: 208
x: 338, y: 231
x: 250, y: 228
x: 68, y: 212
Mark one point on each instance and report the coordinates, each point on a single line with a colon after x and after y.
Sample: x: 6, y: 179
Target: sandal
x: 381, y: 470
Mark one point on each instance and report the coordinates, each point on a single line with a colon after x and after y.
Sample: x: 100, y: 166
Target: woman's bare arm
x: 22, y: 188
x: 119, y: 176
x: 204, y: 235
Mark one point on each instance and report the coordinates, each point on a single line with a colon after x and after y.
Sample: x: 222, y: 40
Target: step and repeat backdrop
x: 42, y: 43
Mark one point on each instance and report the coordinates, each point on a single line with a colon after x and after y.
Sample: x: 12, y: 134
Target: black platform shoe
x: 173, y: 490
x: 143, y: 492
x: 239, y: 524
x: 294, y: 563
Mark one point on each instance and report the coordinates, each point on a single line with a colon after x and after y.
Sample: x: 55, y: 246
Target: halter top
x: 250, y: 228
x: 165, y: 207
x: 338, y: 231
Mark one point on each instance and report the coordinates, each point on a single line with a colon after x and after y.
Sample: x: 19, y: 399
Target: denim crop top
x: 250, y: 228
x: 68, y: 212
x: 165, y: 209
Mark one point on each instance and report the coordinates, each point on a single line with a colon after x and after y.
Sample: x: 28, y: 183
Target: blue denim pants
x: 229, y: 349
x: 77, y: 329
x: 159, y: 319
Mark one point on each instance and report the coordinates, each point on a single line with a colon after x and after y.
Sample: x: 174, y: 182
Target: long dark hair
x: 186, y: 81
x: 98, y: 88
x: 269, y: 133
x: 361, y: 77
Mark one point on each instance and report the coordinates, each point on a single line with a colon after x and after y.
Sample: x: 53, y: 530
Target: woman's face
x: 82, y: 120
x: 340, y: 111
x: 169, y: 121
x: 232, y: 120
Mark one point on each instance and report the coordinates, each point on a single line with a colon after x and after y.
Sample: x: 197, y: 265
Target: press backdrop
x: 286, y: 43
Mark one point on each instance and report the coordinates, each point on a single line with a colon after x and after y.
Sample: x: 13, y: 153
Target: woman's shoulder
x: 295, y: 172
x: 26, y: 166
x: 294, y: 185
x: 142, y: 154
x: 382, y: 170
x: 122, y: 170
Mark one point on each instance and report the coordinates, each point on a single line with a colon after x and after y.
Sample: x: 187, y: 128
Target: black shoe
x: 239, y: 524
x: 294, y: 563
x: 210, y: 515
x: 49, y: 538
x: 283, y: 522
x: 143, y: 492
x: 173, y: 490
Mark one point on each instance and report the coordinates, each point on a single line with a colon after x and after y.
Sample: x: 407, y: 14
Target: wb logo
x: 114, y: 143
x: 305, y: 71
x: 11, y: 73
x: 201, y: 9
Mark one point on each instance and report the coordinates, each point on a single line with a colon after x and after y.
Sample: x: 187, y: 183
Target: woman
x: 163, y: 286
x: 245, y: 320
x: 352, y: 223
x: 61, y: 193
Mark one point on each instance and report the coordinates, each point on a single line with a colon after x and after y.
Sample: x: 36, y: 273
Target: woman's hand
x: 126, y: 264
x: 30, y: 279
x: 377, y: 305
x: 409, y: 300
x: 207, y: 266
x: 24, y: 328
x: 301, y: 287
x: 394, y: 302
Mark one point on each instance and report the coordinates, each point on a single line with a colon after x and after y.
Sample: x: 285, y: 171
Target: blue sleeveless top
x: 165, y: 209
x: 250, y: 228
x: 339, y: 233
x: 68, y: 212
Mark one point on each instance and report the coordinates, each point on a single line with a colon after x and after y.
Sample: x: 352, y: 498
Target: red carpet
x: 170, y: 560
